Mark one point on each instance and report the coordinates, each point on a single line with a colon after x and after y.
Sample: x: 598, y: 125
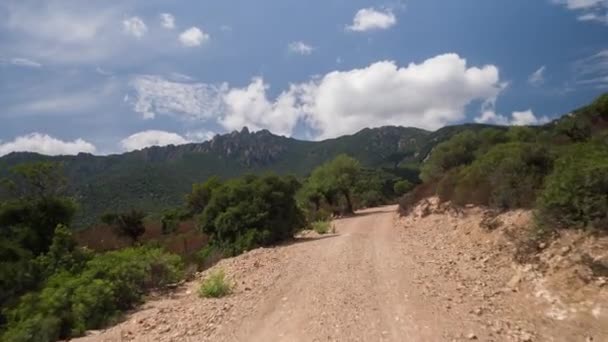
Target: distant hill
x: 158, y: 177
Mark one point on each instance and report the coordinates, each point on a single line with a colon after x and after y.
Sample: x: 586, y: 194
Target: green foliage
x: 38, y: 180
x: 576, y: 193
x: 521, y: 134
x: 507, y: 176
x: 576, y: 128
x: 201, y: 194
x: 215, y: 286
x: 129, y: 224
x: 252, y: 211
x: 336, y: 177
x: 321, y: 227
x: 171, y: 219
x: 458, y: 151
x: 402, y: 187
x: 63, y: 255
x: 71, y: 302
x: 29, y: 217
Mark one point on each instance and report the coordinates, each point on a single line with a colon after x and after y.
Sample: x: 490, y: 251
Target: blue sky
x: 112, y: 76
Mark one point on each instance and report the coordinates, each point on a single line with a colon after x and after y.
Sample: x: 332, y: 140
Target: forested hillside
x: 158, y: 177
x: 560, y: 170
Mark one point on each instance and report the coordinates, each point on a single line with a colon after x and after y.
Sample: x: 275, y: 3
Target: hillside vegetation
x: 51, y: 288
x: 560, y: 170
x: 158, y: 177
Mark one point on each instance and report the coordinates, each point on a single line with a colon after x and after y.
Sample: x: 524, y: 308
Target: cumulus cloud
x: 251, y: 107
x: 45, y: 144
x: 167, y: 20
x: 158, y: 95
x: 368, y: 19
x: 538, y: 77
x: 525, y: 118
x: 300, y: 48
x: 426, y: 95
x: 149, y: 138
x: 193, y: 37
x: 135, y: 26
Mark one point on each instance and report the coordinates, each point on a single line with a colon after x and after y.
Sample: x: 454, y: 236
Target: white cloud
x: 193, y: 37
x: 167, y: 20
x: 45, y: 144
x: 61, y: 31
x: 591, y: 10
x: 157, y: 95
x: 135, y: 26
x: 21, y: 62
x: 593, y: 70
x: 149, y: 138
x: 63, y: 97
x: 538, y: 77
x: 300, y: 48
x: 251, y: 107
x: 368, y: 19
x: 200, y: 135
x: 525, y: 118
x: 426, y: 95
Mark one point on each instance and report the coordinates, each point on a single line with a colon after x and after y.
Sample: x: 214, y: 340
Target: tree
x: 29, y: 217
x: 129, y: 224
x: 38, y: 180
x: 201, y: 193
x: 251, y: 211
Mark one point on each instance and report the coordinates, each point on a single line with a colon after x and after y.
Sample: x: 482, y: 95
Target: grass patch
x: 321, y: 227
x: 215, y: 286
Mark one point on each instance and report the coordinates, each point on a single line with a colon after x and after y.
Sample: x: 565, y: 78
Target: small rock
x: 564, y: 250
x: 472, y: 336
x: 542, y: 245
x: 526, y: 337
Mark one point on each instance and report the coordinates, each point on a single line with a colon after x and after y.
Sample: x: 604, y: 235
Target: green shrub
x: 252, y: 211
x: 370, y: 198
x: 458, y: 151
x: 70, y: 303
x: 402, y: 187
x: 215, y: 286
x: 576, y: 193
x: 321, y: 227
x: 508, y: 176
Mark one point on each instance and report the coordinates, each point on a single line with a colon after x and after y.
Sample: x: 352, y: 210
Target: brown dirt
x: 434, y: 275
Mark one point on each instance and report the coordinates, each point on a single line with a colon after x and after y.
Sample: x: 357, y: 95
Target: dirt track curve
x: 360, y: 284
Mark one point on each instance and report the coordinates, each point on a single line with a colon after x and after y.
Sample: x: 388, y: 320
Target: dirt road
x: 364, y: 283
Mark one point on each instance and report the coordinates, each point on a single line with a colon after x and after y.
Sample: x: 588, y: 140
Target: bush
x: 458, y: 151
x: 507, y: 176
x: 576, y: 193
x: 70, y: 303
x: 215, y: 286
x: 321, y: 227
x: 252, y: 211
x: 402, y: 187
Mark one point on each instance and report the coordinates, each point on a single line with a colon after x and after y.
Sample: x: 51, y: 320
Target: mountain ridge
x: 157, y: 177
